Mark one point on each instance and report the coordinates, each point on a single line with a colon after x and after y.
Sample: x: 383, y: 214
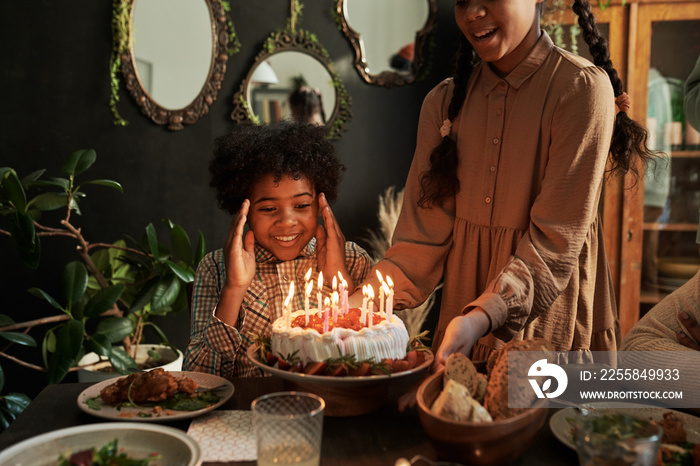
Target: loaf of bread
x: 522, y: 396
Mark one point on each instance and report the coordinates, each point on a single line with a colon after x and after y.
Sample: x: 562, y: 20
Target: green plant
x: 111, y: 293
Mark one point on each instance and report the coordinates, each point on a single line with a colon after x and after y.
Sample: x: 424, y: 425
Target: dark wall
x: 55, y: 99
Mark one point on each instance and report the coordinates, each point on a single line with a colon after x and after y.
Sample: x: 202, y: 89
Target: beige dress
x: 522, y: 239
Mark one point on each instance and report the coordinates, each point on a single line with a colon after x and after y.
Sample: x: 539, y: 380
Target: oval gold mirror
x: 390, y: 37
x: 291, y: 77
x: 176, y: 58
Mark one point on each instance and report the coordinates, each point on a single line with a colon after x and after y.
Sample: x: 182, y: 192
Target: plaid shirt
x: 218, y: 348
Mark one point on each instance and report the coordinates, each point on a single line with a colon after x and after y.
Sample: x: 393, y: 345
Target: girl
x: 501, y: 200
x: 277, y: 178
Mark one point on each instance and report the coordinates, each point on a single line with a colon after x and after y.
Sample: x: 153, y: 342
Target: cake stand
x: 346, y: 395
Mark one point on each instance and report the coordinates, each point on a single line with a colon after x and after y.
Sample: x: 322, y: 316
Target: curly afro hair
x: 248, y: 152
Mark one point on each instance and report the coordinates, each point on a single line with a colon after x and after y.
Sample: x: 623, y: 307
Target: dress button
x: 499, y: 111
x: 488, y: 200
x: 285, y: 277
x: 492, y: 168
x: 495, y: 140
x: 502, y: 83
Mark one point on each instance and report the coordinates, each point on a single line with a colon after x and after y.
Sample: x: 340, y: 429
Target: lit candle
x: 325, y: 315
x: 364, y: 299
x: 334, y: 306
x: 385, y: 292
x: 288, y: 305
x: 309, y: 287
x: 343, y: 290
x: 390, y: 298
x: 370, y: 311
x: 381, y: 293
x: 319, y: 295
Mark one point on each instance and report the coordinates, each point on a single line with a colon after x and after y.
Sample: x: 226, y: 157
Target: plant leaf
x: 41, y: 294
x: 144, y: 296
x: 165, y: 293
x: 74, y: 282
x: 108, y: 183
x: 26, y: 240
x: 69, y: 342
x: 182, y: 247
x: 19, y: 338
x: 103, y: 300
x: 78, y: 162
x: 11, y: 189
x: 16, y: 402
x: 152, y: 237
x: 5, y: 320
x: 115, y: 328
x: 100, y: 344
x: 121, y: 361
x: 52, y: 183
x: 32, y: 177
x: 184, y: 274
x: 160, y: 333
x: 49, y: 201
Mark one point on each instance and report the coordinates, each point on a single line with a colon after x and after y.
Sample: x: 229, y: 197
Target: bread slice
x: 461, y: 369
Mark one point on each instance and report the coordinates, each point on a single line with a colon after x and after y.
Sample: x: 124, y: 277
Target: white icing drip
x: 381, y: 341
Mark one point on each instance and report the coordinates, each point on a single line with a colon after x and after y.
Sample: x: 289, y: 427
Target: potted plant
x: 110, y: 293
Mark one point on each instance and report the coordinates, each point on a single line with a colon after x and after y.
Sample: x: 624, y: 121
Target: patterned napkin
x: 224, y: 436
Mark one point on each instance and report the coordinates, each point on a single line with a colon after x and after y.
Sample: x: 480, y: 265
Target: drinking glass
x: 288, y: 428
x: 614, y: 438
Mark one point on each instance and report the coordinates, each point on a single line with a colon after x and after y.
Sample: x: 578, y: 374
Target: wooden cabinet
x: 651, y: 243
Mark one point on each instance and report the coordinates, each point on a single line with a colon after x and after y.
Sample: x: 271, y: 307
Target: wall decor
x: 390, y: 38
x: 172, y: 57
x: 292, y: 62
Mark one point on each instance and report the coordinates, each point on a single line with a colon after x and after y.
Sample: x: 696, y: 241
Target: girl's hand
x: 461, y: 335
x: 239, y: 251
x: 691, y: 325
x: 330, y: 245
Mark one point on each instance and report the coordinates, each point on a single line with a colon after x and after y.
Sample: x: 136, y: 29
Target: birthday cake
x: 350, y: 333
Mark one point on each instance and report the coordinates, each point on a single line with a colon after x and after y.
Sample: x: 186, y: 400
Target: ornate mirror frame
x: 175, y: 119
x: 387, y: 78
x: 298, y: 41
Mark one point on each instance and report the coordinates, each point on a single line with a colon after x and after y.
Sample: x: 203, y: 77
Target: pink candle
x: 319, y: 295
x: 390, y: 298
x: 364, y: 300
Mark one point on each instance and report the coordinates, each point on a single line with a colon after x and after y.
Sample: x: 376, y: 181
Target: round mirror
x: 293, y: 79
x: 291, y: 85
x: 176, y: 59
x: 389, y: 37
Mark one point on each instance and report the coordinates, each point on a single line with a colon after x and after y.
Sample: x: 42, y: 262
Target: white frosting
x: 381, y: 341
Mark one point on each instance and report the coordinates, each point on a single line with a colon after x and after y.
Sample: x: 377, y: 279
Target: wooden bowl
x: 477, y: 443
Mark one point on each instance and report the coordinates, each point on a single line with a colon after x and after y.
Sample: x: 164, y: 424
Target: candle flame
x: 320, y: 281
x: 307, y: 277
x: 326, y: 301
x: 364, y: 290
x: 385, y: 287
x: 335, y: 283
x: 309, y: 287
x: 286, y: 300
x: 291, y: 292
x: 340, y: 277
x: 370, y: 291
x: 379, y: 276
x: 389, y: 281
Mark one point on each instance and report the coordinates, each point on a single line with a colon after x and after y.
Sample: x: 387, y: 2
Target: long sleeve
x: 691, y: 99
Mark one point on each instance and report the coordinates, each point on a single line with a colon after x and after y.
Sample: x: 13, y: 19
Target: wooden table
x: 378, y: 438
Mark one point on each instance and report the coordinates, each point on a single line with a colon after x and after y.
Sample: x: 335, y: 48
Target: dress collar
x: 523, y: 71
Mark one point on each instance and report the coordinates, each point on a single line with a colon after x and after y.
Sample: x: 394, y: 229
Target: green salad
x: 108, y: 455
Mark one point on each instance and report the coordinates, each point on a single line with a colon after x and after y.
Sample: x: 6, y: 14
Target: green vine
x: 120, y: 39
x: 295, y: 15
x: 251, y: 116
x: 233, y: 42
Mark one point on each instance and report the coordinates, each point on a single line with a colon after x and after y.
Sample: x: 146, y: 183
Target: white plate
x: 325, y: 380
x: 136, y: 440
x: 562, y: 428
x: 204, y: 381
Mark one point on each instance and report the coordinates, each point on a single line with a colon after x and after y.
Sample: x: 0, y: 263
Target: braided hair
x: 629, y: 137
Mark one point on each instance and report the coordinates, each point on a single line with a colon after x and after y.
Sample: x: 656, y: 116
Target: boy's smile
x: 283, y: 215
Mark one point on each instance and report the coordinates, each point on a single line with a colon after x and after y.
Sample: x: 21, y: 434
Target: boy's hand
x: 239, y: 251
x: 691, y: 326
x: 330, y: 244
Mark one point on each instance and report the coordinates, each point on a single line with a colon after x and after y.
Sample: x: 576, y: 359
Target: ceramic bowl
x: 477, y: 443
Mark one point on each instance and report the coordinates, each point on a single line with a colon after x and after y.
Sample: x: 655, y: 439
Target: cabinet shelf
x: 670, y: 226
x: 685, y: 154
